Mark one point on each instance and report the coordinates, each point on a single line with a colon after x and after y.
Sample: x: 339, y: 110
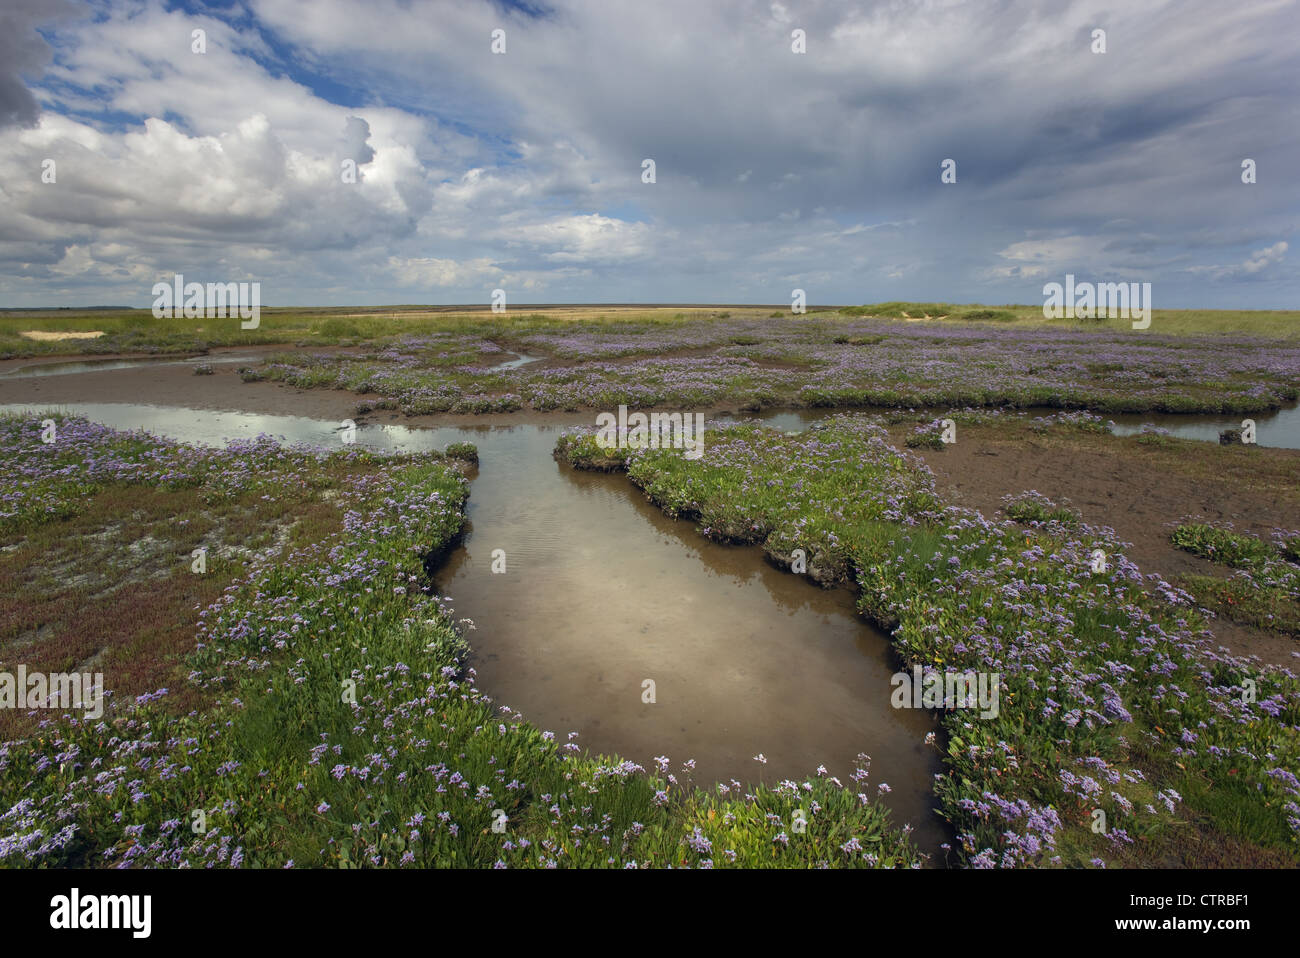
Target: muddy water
x: 41, y: 370
x: 211, y: 427
x: 1280, y: 428
x: 521, y: 359
x: 602, y: 592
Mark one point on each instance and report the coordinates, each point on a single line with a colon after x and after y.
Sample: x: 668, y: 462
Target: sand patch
x: 42, y: 336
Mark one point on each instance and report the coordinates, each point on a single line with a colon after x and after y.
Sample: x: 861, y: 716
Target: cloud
x: 1258, y: 261
x: 589, y: 238
x: 1084, y: 256
x: 23, y: 50
x: 356, y: 137
x: 1017, y: 272
x: 440, y: 272
x: 774, y: 169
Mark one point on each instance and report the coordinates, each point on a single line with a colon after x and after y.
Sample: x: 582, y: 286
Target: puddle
x: 790, y: 420
x: 1280, y: 428
x: 40, y: 370
x: 602, y: 591
x: 71, y: 367
x: 216, y: 427
x: 521, y: 359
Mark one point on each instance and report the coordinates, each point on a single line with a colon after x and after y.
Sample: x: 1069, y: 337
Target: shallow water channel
x: 1279, y: 428
x: 40, y: 370
x: 602, y: 592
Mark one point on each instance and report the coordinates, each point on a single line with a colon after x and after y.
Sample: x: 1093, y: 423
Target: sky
x: 128, y: 154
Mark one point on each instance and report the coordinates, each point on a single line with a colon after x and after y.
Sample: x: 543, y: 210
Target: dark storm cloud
x: 23, y: 50
x: 356, y: 133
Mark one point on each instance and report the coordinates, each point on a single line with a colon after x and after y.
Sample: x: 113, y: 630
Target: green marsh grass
x: 327, y: 717
x: 1082, y: 728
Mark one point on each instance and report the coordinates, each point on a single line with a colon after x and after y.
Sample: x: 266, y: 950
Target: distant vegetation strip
x: 137, y: 330
x: 756, y: 364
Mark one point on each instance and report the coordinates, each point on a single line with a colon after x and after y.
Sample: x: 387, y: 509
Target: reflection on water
x: 602, y: 592
x: 1280, y: 428
x: 521, y: 359
x: 790, y: 420
x: 39, y: 370
x: 216, y: 427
